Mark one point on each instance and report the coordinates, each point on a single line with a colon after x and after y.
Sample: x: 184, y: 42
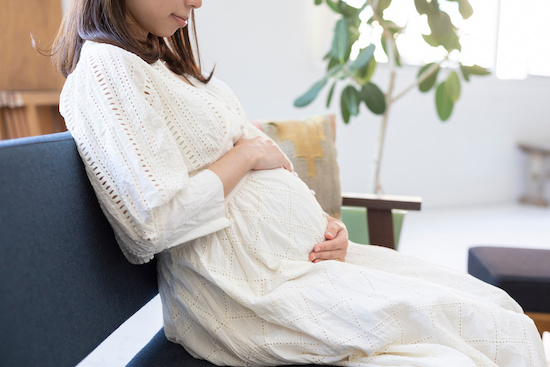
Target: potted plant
x: 356, y: 72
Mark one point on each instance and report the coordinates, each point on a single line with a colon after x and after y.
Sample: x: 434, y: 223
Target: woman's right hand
x: 258, y: 153
x: 267, y: 155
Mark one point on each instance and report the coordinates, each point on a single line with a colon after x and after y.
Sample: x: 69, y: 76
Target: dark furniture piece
x: 65, y: 285
x: 384, y: 216
x: 523, y: 273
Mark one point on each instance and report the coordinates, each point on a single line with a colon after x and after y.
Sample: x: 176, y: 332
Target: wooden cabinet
x: 29, y: 82
x: 29, y: 113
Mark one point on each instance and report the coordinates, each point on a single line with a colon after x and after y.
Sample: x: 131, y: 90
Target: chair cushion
x: 161, y: 352
x: 309, y: 143
x: 523, y: 273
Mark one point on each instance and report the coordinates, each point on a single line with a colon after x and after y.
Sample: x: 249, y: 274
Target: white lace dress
x: 236, y: 284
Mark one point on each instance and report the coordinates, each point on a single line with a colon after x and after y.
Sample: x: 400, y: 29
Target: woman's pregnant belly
x: 275, y: 216
x: 275, y: 221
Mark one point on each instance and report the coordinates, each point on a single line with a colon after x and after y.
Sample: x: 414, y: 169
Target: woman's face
x: 159, y: 17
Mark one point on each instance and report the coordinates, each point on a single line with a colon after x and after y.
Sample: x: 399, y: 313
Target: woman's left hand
x: 336, y: 244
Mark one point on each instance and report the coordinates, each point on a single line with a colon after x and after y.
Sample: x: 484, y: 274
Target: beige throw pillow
x: 310, y: 145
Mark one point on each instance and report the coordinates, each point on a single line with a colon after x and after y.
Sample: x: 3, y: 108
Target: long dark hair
x: 104, y: 21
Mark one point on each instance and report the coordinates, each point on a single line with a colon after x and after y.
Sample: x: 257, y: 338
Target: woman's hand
x: 267, y: 154
x: 336, y: 244
x: 248, y: 154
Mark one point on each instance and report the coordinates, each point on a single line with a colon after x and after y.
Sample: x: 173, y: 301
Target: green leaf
x: 429, y: 82
x: 392, y: 27
x: 318, y: 2
x: 373, y: 98
x: 350, y: 96
x: 383, y: 5
x: 421, y: 6
x: 344, y: 110
x: 330, y: 93
x: 340, y: 40
x: 476, y: 70
x: 332, y: 63
x: 443, y: 102
x: 364, y: 74
x: 433, y: 7
x: 365, y: 55
x: 440, y: 23
x: 311, y: 94
x: 349, y: 11
x: 453, y: 86
x: 384, y: 44
x: 443, y: 31
x: 473, y: 70
x: 430, y: 40
x: 334, y: 6
x: 464, y: 8
x: 465, y: 72
x: 451, y: 42
x: 334, y: 70
x: 396, y: 56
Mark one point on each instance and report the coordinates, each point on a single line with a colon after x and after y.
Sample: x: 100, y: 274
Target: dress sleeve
x: 132, y: 160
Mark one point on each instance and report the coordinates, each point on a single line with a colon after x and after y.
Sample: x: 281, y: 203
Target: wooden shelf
x: 29, y: 113
x: 29, y: 82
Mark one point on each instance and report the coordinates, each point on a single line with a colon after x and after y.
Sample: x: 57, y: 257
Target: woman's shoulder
x: 99, y: 62
x: 219, y: 85
x: 108, y: 60
x: 106, y: 51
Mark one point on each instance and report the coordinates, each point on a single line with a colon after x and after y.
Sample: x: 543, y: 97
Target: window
x: 524, y: 39
x: 509, y: 37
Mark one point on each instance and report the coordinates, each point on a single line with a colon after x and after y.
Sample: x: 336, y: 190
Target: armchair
x: 310, y: 145
x: 65, y: 284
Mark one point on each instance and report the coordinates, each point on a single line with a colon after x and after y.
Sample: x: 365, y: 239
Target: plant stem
x: 391, y: 49
x: 378, y: 189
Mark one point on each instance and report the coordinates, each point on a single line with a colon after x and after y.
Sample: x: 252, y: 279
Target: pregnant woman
x: 247, y: 260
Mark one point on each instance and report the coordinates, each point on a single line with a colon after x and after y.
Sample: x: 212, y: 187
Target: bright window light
x: 524, y: 39
x: 508, y: 36
x: 478, y: 38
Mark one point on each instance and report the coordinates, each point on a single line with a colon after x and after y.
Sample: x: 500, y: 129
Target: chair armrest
x: 381, y: 202
x: 379, y: 213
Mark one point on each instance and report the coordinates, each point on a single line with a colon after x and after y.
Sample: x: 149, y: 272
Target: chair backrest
x: 64, y: 283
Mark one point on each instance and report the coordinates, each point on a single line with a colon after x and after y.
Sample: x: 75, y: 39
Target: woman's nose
x: 195, y: 4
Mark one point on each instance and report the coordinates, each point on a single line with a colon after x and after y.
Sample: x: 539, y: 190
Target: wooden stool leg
x: 536, y: 176
x: 542, y: 320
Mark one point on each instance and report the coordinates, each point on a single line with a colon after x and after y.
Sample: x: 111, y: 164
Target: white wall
x: 268, y: 53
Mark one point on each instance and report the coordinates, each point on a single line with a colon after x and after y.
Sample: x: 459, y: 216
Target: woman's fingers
x: 336, y: 244
x: 268, y: 154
